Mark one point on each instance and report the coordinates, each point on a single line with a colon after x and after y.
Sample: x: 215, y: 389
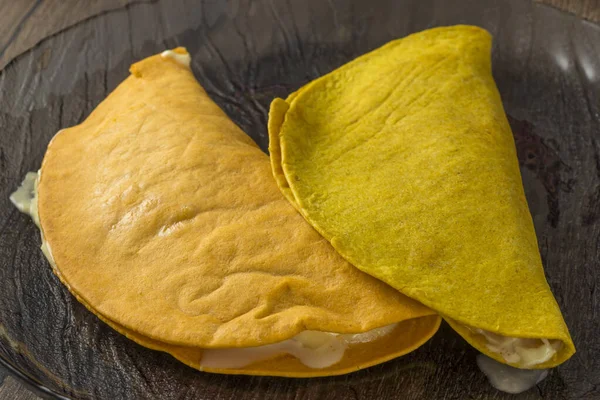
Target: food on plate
x: 404, y: 161
x: 162, y: 217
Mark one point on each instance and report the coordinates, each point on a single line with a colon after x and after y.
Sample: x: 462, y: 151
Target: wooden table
x: 24, y: 23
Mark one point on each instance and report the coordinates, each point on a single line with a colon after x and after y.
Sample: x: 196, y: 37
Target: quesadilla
x: 403, y: 159
x: 162, y: 217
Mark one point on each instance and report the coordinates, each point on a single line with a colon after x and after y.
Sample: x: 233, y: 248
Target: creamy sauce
x: 509, y: 379
x: 526, y: 353
x: 183, y: 59
x: 313, y: 348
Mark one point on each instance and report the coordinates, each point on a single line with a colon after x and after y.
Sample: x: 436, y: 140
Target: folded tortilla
x: 404, y: 160
x: 162, y: 217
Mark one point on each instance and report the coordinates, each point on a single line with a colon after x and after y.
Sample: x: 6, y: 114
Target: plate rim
x: 31, y: 383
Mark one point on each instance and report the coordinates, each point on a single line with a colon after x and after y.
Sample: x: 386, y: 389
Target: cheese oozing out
x: 25, y: 197
x: 314, y: 349
x: 526, y: 353
x: 509, y: 379
x: 183, y: 59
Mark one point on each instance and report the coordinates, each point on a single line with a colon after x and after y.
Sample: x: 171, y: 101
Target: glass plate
x: 546, y: 64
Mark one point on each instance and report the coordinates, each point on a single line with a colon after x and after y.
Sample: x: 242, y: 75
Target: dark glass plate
x: 546, y: 64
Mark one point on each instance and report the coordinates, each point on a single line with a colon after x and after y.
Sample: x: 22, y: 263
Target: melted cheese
x: 183, y: 59
x: 313, y: 348
x: 524, y: 352
x: 25, y: 197
x: 509, y: 379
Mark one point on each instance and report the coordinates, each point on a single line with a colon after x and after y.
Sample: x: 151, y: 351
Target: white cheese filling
x: 313, y: 348
x: 183, y: 59
x: 25, y: 197
x: 526, y: 353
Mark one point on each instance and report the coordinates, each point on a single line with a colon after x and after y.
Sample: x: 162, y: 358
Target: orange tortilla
x: 163, y: 218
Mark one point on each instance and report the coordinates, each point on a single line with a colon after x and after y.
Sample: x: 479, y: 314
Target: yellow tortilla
x: 163, y: 218
x: 404, y: 160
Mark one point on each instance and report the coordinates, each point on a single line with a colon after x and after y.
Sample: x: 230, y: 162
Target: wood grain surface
x: 589, y: 9
x: 24, y: 23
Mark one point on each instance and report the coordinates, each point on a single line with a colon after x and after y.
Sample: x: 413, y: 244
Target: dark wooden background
x: 24, y: 23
